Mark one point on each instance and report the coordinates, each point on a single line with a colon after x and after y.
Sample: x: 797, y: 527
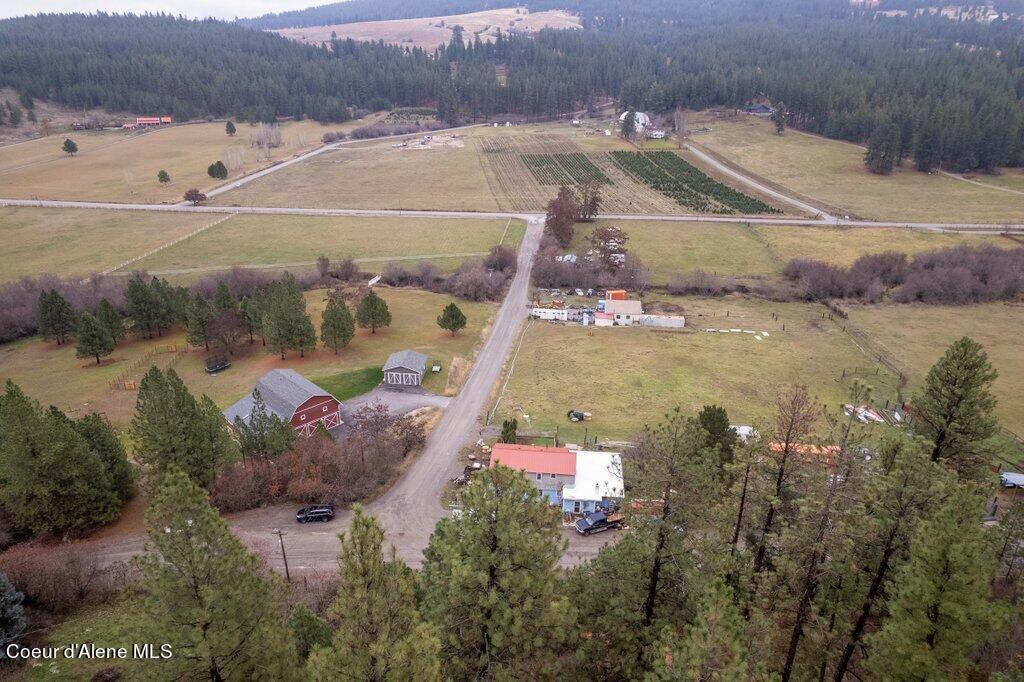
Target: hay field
x: 668, y: 248
x: 915, y: 336
x: 80, y: 242
x: 429, y: 32
x: 482, y: 169
x: 53, y: 375
x: 843, y: 245
x: 628, y: 377
x: 267, y: 240
x: 832, y: 173
x: 115, y: 165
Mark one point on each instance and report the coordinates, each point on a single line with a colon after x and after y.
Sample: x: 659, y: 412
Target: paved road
x: 982, y: 228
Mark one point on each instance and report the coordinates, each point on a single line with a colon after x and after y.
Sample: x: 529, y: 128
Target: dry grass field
x: 79, y: 242
x: 264, y: 240
x: 631, y: 376
x: 915, y: 336
x: 668, y: 248
x: 843, y: 245
x: 832, y: 173
x: 115, y: 165
x: 429, y: 32
x: 375, y: 175
x: 53, y: 375
x: 1007, y: 178
x: 481, y: 168
x: 744, y: 250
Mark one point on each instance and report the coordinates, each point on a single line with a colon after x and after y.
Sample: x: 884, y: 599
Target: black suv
x: 318, y: 512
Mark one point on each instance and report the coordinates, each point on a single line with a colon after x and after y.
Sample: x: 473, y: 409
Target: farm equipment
x: 578, y: 416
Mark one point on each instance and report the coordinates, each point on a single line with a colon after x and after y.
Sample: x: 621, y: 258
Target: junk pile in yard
x: 616, y: 309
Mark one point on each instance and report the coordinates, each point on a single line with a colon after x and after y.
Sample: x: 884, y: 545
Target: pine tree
x: 779, y: 117
x: 252, y: 314
x: 217, y: 170
x: 722, y: 437
x: 104, y: 441
x: 897, y: 494
x: 208, y: 595
x: 69, y: 147
x: 286, y: 325
x: 489, y: 580
x: 111, y: 320
x: 883, y: 148
x: 55, y: 316
x: 927, y: 147
x: 143, y: 306
x: 222, y: 298
x: 94, y: 339
x: 12, y: 615
x: 373, y: 312
x: 309, y: 630
x: 939, y: 608
x: 229, y: 128
x: 53, y: 481
x: 337, y: 326
x: 200, y: 319
x: 265, y: 434
x: 955, y: 410
x: 508, y: 430
x: 628, y: 126
x: 380, y: 634
x: 171, y: 429
x: 452, y: 319
x: 163, y: 177
x: 713, y: 648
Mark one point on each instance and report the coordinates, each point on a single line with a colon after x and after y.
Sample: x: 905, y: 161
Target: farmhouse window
x: 552, y: 475
x: 538, y: 476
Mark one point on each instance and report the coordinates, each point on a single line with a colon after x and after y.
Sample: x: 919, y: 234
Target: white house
x: 580, y: 481
x: 624, y: 313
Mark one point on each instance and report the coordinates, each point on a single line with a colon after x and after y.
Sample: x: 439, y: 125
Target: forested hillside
x: 952, y: 91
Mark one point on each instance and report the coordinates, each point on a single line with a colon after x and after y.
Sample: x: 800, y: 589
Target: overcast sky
x: 222, y: 9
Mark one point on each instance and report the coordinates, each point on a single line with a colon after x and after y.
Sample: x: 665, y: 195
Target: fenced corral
x: 165, y: 356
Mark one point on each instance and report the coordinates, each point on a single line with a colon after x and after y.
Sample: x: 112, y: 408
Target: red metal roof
x: 535, y: 459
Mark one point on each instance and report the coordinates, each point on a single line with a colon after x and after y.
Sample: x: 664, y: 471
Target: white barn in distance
x: 405, y: 368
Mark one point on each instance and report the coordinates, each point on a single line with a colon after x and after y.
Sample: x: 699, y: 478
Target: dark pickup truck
x: 598, y: 522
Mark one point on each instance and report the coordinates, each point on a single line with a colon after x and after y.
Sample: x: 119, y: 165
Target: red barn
x: 293, y: 398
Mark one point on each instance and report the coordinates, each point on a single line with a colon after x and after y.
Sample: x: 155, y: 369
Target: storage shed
x: 405, y: 368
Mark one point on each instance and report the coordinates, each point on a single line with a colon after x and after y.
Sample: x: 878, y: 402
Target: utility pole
x: 280, y: 538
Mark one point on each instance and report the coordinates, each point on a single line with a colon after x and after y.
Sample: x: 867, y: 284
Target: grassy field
x: 832, y: 173
x: 1007, y: 178
x: 668, y: 248
x: 376, y: 175
x: 842, y: 246
x: 744, y: 250
x: 479, y: 169
x: 629, y: 377
x: 429, y: 32
x: 293, y: 240
x: 79, y: 242
x: 916, y: 336
x: 53, y: 375
x: 122, y: 166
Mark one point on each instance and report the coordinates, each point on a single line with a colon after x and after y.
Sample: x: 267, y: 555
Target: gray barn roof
x: 407, y: 359
x: 283, y: 391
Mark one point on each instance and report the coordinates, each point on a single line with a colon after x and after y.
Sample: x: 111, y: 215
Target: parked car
x: 598, y: 522
x: 317, y: 512
x: 216, y: 364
